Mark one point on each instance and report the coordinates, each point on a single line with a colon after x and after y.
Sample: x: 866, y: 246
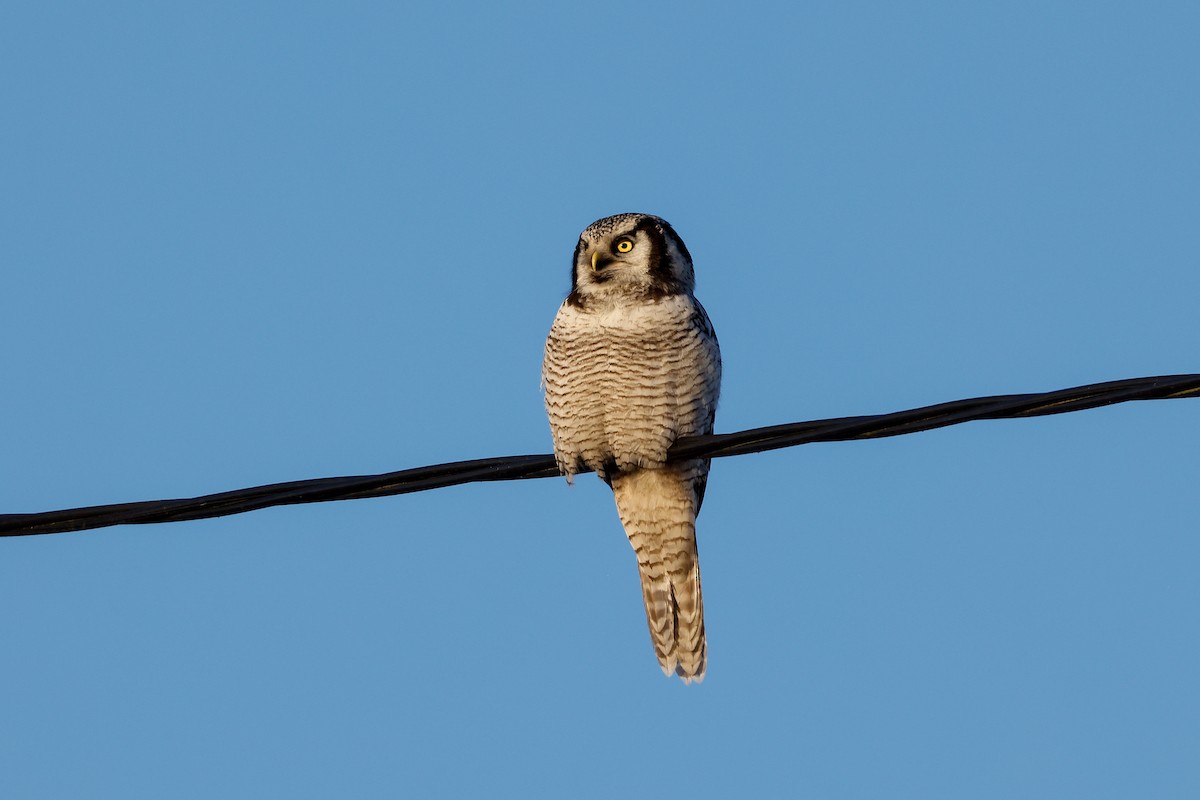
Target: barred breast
x: 623, y: 382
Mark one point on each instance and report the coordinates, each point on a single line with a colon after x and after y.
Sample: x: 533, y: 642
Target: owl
x: 631, y: 365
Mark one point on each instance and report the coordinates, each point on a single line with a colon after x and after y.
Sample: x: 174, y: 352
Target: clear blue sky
x: 252, y: 242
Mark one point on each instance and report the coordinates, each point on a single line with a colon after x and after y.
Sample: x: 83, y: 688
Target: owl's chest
x: 631, y: 358
x: 621, y: 384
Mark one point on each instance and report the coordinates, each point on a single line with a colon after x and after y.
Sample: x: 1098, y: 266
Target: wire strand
x: 508, y: 468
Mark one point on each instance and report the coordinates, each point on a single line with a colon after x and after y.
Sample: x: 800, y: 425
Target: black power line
x: 509, y: 468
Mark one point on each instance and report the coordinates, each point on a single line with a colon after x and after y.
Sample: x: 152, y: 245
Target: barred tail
x: 658, y: 509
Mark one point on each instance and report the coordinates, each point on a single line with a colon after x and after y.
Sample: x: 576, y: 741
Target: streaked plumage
x: 631, y: 365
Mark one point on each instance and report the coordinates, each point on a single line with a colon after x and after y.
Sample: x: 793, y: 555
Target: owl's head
x: 630, y: 256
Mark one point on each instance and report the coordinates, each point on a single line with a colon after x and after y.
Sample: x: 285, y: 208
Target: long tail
x: 658, y: 509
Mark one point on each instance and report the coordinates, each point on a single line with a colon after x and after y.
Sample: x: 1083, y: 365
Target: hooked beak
x: 600, y: 260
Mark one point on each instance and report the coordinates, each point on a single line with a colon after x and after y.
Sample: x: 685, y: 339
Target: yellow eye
x: 624, y: 245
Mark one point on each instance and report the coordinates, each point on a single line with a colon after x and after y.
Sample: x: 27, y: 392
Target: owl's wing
x: 710, y: 386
